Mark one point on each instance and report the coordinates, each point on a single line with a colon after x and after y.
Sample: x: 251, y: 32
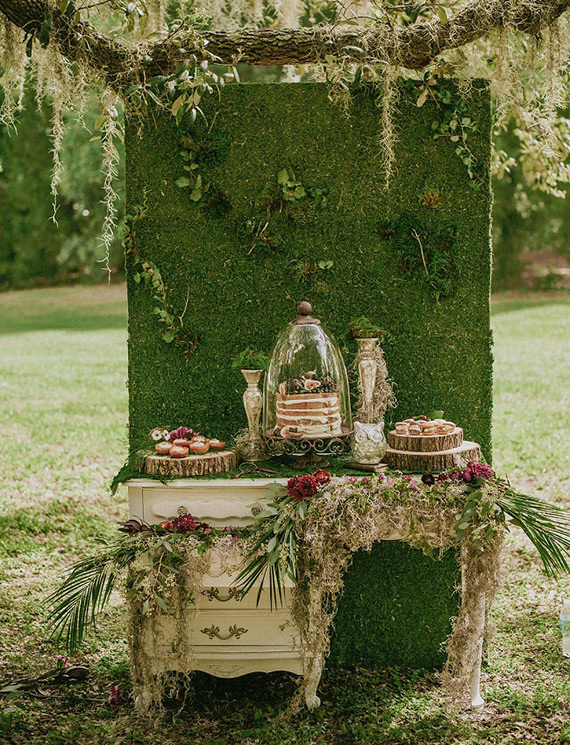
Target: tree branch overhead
x: 412, y: 47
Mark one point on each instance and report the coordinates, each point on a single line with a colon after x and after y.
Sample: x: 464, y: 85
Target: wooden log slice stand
x: 425, y: 443
x: 435, y: 462
x: 215, y: 461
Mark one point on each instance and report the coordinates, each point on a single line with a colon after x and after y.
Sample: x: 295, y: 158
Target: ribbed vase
x: 367, y: 371
x: 253, y: 405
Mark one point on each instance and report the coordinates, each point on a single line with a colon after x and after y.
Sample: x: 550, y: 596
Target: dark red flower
x: 477, y: 471
x: 455, y: 475
x: 443, y: 476
x: 115, y: 696
x: 185, y: 524
x: 428, y: 478
x: 182, y: 433
x: 322, y: 476
x: 302, y: 487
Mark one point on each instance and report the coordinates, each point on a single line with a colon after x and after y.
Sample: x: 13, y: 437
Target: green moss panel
x: 344, y: 257
x: 396, y: 608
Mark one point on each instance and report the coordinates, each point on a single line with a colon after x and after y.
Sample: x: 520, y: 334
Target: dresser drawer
x: 219, y: 502
x: 243, y: 628
x: 218, y: 597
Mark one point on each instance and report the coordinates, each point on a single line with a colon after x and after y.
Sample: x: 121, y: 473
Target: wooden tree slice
x: 425, y: 443
x: 216, y: 461
x: 444, y: 460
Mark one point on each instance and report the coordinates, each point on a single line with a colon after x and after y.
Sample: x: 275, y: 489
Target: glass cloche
x: 306, y: 393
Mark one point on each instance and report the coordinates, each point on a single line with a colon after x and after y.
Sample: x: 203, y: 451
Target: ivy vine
x: 147, y: 274
x: 453, y: 122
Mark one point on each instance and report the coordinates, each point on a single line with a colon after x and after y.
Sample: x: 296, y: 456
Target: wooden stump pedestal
x: 443, y: 460
x: 215, y: 461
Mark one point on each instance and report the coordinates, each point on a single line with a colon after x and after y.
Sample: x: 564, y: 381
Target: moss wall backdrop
x: 415, y: 259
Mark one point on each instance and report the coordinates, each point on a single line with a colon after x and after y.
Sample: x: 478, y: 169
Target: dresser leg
x: 143, y: 701
x: 312, y: 680
x: 476, y: 699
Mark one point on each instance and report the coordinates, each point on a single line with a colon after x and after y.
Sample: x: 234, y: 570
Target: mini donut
x: 422, y: 418
x: 446, y: 428
x: 178, y: 451
x: 401, y: 427
x: 415, y: 429
x: 217, y: 444
x: 163, y: 448
x: 429, y: 430
x: 199, y: 448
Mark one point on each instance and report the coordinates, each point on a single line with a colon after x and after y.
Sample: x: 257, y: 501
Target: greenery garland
x: 474, y: 504
x: 308, y: 533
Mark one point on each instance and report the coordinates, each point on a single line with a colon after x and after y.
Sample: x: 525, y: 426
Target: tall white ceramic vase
x: 253, y: 404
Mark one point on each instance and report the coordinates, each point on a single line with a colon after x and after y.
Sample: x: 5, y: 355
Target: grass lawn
x: 64, y: 413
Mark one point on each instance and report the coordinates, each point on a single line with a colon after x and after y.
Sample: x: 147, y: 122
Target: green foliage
x: 181, y: 92
x: 363, y: 328
x: 288, y: 192
x: 525, y: 219
x: 250, y: 359
x: 546, y: 525
x: 87, y: 589
x: 273, y: 553
x: 426, y: 250
x: 35, y: 251
x: 454, y: 121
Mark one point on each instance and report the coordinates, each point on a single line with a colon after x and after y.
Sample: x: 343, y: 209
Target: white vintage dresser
x: 230, y: 635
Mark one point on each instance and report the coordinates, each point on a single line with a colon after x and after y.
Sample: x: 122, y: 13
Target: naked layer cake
x: 309, y: 414
x: 308, y: 406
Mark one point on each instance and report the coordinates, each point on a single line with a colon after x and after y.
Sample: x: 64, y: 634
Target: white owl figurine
x: 369, y: 443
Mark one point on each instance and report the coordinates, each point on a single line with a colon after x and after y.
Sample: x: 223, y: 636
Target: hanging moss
x: 439, y: 352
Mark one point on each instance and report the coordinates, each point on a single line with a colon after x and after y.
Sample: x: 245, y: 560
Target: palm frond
x: 546, y: 525
x: 86, y: 591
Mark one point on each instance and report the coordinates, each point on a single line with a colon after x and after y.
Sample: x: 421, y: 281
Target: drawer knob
x: 255, y: 511
x: 213, y: 593
x: 214, y: 631
x: 182, y: 510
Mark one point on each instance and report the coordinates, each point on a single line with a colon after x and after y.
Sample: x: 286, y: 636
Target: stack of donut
x: 198, y: 445
x: 419, y: 426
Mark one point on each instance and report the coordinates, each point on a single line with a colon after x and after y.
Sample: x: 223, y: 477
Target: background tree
x: 173, y: 52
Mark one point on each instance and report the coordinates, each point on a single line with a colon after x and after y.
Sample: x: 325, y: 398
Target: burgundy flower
x: 478, y: 471
x: 428, y: 478
x: 182, y: 433
x: 455, y: 475
x: 322, y: 476
x: 115, y: 697
x: 185, y: 524
x: 302, y: 487
x: 443, y: 476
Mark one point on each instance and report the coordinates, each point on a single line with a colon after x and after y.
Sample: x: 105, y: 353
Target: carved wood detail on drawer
x: 217, y: 593
x: 233, y: 631
x: 252, y: 628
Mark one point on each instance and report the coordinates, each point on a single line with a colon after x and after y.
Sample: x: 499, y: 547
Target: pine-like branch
x: 412, y: 47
